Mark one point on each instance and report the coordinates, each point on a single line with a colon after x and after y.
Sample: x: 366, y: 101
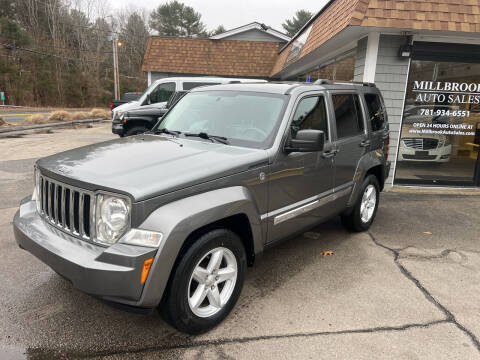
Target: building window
x: 297, y: 46
x: 342, y: 70
x: 440, y: 133
x: 348, y: 117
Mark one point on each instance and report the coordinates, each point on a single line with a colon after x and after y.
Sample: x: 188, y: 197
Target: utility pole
x: 116, y: 74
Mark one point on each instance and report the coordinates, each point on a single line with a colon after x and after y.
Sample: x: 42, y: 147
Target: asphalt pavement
x: 407, y: 289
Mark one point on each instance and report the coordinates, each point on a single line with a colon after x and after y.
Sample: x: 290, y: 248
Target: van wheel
x: 135, y: 130
x: 206, y: 283
x: 363, y: 213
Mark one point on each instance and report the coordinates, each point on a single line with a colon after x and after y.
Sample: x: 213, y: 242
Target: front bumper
x: 117, y: 127
x: 111, y: 273
x: 437, y: 155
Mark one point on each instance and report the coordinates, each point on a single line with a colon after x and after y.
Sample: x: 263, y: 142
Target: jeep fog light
x: 142, y: 238
x: 112, y: 215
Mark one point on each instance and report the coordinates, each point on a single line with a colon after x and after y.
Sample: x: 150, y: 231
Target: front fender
x: 180, y: 218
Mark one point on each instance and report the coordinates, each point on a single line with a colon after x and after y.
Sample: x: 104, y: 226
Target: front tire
x: 363, y: 213
x: 207, y: 282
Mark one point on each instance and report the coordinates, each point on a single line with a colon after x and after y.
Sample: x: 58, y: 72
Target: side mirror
x: 148, y: 101
x: 307, y: 141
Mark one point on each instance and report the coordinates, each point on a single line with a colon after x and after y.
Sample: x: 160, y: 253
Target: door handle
x: 329, y: 154
x: 365, y: 143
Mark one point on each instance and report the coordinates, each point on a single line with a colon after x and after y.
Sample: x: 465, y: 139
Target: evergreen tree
x: 292, y: 26
x: 176, y: 19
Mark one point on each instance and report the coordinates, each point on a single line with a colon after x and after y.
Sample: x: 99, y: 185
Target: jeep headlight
x: 112, y: 218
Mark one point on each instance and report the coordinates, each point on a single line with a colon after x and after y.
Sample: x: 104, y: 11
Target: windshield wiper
x: 204, y: 135
x: 166, y: 131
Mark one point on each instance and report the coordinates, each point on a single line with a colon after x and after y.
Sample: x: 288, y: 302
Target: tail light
x: 111, y: 106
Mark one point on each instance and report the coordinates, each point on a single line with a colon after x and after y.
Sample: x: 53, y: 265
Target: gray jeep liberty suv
x: 172, y: 218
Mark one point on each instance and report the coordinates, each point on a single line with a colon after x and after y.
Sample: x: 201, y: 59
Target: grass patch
x: 81, y: 115
x: 36, y: 119
x: 60, y: 115
x: 100, y: 114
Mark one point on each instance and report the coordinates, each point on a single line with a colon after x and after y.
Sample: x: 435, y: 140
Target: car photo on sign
x: 418, y: 147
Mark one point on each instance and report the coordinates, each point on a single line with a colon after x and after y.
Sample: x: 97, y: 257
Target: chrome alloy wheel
x: 212, y: 282
x: 369, y: 201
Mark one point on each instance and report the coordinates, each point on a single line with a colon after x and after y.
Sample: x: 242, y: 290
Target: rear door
x: 351, y: 139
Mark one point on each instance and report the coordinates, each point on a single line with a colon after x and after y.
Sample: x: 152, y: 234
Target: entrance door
x: 299, y: 180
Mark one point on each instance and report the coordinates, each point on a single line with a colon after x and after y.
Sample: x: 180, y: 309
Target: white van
x: 160, y: 91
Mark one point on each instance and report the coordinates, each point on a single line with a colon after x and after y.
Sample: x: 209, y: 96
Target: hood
x: 127, y: 106
x: 145, y: 166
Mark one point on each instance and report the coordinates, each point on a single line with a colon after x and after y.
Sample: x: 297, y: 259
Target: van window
x: 162, y: 92
x: 376, y: 111
x: 348, y: 115
x: 191, y: 85
x: 311, y: 113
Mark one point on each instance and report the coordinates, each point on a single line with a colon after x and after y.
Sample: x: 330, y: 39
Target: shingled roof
x: 439, y: 15
x: 210, y: 57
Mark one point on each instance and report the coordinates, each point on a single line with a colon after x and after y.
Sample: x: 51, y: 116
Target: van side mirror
x: 307, y: 141
x: 148, y: 100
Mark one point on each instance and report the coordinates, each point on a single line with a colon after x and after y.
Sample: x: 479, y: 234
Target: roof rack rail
x: 330, y: 82
x: 323, y: 82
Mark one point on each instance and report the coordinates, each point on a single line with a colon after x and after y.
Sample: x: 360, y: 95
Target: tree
x: 176, y: 19
x: 218, y: 30
x: 295, y: 24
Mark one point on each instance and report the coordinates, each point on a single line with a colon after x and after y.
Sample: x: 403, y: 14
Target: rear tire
x: 206, y: 283
x: 363, y: 213
x: 135, y: 130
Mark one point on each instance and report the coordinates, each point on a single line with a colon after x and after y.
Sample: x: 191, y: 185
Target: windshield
x: 245, y: 118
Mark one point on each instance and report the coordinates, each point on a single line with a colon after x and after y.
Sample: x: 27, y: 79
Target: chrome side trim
x: 322, y: 199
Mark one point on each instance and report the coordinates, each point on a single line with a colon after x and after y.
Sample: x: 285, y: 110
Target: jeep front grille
x: 66, y: 207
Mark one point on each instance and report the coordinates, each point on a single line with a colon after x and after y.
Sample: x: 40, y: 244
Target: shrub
x: 100, y: 114
x: 60, y: 115
x: 81, y: 115
x: 35, y: 119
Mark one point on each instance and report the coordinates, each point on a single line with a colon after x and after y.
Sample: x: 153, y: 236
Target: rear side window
x: 348, y: 115
x: 311, y: 113
x: 191, y: 85
x: 376, y: 111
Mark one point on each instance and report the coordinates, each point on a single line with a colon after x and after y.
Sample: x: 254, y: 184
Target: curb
x: 48, y: 126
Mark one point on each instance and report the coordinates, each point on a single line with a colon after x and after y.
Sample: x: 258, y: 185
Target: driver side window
x: 162, y: 93
x: 311, y: 113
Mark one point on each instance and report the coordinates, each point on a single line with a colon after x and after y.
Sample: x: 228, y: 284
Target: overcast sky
x: 234, y: 13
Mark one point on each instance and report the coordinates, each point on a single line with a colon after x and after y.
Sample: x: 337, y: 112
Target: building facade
x: 425, y: 58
